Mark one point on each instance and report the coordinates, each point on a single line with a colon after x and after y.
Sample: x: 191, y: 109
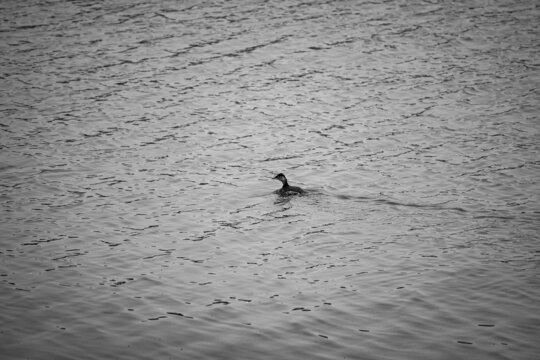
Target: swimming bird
x: 287, y: 189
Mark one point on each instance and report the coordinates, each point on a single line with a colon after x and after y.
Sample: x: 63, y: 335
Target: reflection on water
x: 139, y: 140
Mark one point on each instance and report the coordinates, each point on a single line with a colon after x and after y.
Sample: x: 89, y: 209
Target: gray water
x: 138, y: 144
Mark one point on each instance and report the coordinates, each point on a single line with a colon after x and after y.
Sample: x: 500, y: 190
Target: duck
x: 287, y: 189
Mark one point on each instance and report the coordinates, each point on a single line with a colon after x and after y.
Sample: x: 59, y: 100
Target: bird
x: 287, y: 189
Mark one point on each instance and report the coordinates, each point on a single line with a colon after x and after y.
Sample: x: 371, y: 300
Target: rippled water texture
x: 138, y: 143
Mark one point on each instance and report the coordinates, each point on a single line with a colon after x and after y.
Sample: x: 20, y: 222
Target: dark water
x: 138, y: 142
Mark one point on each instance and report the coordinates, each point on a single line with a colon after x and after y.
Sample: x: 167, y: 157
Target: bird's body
x: 287, y: 189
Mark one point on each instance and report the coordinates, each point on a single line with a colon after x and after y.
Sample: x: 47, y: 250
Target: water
x: 138, y: 143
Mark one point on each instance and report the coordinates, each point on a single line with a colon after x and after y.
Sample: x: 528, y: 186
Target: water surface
x: 139, y: 139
